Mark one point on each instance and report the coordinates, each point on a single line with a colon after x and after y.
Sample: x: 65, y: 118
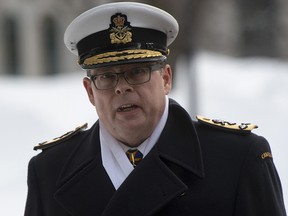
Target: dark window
x: 258, y: 27
x: 49, y: 40
x: 11, y: 47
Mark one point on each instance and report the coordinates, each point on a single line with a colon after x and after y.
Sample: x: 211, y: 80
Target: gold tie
x: 134, y: 156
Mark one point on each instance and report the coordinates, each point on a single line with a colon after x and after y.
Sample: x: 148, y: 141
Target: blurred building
x: 31, y: 39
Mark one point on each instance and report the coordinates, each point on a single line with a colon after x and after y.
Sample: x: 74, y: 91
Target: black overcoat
x: 193, y: 170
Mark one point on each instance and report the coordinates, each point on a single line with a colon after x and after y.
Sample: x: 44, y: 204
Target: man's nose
x: 123, y: 86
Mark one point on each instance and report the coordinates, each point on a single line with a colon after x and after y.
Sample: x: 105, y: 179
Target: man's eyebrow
x: 118, y: 69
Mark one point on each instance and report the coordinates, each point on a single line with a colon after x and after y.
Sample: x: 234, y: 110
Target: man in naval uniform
x: 145, y: 156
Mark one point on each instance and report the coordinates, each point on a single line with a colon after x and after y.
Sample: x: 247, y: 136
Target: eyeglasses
x: 134, y: 76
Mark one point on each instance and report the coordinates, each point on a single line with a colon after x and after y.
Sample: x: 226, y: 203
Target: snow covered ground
x: 36, y: 109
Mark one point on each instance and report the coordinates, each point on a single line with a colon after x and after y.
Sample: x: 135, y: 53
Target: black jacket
x: 193, y: 170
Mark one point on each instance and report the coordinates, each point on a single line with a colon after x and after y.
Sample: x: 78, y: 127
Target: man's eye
x: 138, y: 71
x: 106, y: 76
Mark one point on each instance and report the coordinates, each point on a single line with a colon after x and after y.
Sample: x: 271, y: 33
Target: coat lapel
x: 149, y: 187
x: 84, y: 186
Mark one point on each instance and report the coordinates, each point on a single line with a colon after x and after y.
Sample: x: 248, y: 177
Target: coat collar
x: 179, y: 141
x: 86, y: 150
x: 85, y: 187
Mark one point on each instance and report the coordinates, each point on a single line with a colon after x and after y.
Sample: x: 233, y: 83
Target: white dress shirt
x: 114, y: 158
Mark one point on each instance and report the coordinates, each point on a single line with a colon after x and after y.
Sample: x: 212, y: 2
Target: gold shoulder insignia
x: 242, y: 127
x: 56, y: 140
x: 266, y: 155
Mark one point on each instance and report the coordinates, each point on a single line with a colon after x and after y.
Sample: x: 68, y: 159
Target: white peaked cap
x: 122, y: 32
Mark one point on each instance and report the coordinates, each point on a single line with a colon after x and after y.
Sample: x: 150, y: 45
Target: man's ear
x: 167, y: 77
x: 89, y: 89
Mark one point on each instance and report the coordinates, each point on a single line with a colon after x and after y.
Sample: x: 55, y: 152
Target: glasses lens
x: 138, y: 75
x: 105, y: 81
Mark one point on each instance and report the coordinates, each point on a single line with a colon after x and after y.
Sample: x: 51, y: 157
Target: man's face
x: 130, y: 112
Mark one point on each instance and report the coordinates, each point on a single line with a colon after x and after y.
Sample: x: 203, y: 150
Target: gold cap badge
x: 120, y: 29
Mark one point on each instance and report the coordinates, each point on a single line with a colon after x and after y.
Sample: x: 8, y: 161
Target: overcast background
x: 229, y: 62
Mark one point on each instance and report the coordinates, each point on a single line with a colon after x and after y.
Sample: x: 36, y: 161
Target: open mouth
x: 127, y: 107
